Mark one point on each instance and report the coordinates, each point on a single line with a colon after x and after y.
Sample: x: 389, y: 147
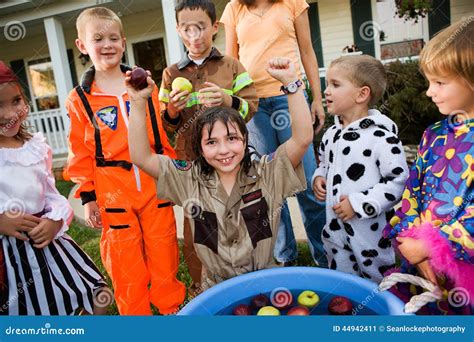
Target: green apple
x: 308, y: 298
x: 181, y: 84
x: 268, y: 311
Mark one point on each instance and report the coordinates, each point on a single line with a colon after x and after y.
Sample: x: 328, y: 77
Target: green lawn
x: 89, y: 238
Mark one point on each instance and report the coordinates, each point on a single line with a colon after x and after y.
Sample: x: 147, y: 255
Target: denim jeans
x: 268, y: 129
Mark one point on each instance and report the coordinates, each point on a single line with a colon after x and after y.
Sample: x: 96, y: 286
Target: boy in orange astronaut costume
x: 139, y: 243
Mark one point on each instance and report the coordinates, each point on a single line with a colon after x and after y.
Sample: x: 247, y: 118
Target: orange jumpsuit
x: 138, y: 245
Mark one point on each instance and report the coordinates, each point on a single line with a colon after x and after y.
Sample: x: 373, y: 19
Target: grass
x: 89, y: 239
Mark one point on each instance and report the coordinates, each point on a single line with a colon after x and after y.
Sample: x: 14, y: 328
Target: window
x: 150, y: 55
x: 43, y: 86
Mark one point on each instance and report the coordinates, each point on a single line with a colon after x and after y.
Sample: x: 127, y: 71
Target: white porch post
x: 175, y: 47
x: 62, y: 73
x: 377, y: 28
x: 425, y: 29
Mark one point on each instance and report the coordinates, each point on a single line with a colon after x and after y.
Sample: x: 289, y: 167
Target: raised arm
x: 139, y: 146
x: 283, y: 70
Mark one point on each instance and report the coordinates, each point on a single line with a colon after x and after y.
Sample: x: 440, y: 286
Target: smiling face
x: 13, y: 109
x: 103, y: 42
x: 340, y: 93
x: 451, y: 95
x: 223, y: 148
x: 196, y: 30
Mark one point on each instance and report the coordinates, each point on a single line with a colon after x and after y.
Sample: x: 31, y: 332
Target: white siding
x: 397, y: 29
x: 336, y: 27
x: 461, y: 9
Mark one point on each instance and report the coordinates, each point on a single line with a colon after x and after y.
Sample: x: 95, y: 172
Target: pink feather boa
x: 443, y: 259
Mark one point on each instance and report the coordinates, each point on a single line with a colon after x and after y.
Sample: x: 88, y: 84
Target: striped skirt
x: 59, y: 279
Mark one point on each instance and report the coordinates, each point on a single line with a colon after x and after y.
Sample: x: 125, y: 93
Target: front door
x: 150, y: 55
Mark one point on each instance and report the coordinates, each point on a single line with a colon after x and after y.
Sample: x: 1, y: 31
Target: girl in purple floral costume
x: 434, y: 228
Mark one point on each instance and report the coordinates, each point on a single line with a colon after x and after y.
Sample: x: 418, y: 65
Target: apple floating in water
x: 308, y: 299
x: 259, y: 301
x: 181, y: 84
x: 138, y: 78
x: 298, y: 311
x: 268, y: 311
x: 340, y: 305
x: 242, y: 310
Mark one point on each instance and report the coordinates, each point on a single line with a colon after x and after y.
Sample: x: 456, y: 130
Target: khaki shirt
x: 227, y: 73
x: 232, y: 234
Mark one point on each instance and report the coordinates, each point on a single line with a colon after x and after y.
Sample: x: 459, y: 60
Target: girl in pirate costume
x: 43, y: 271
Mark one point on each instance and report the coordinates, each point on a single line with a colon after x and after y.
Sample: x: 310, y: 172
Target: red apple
x: 340, y: 306
x: 259, y: 301
x: 298, y: 311
x: 138, y: 78
x: 242, y: 310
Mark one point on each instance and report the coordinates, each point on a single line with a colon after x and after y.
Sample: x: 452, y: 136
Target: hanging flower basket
x: 413, y: 9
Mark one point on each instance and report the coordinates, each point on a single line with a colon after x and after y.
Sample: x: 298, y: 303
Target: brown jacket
x: 226, y: 72
x: 233, y: 234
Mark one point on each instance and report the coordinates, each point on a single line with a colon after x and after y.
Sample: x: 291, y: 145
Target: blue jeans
x: 268, y: 129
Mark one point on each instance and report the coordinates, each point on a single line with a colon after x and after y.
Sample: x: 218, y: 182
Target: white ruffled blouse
x: 27, y: 183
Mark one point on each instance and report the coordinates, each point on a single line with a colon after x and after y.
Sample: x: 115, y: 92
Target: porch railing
x: 51, y: 124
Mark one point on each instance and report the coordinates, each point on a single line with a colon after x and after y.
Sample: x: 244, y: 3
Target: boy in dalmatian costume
x: 362, y: 169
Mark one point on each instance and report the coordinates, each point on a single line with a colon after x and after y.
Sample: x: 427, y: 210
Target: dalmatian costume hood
x: 364, y: 161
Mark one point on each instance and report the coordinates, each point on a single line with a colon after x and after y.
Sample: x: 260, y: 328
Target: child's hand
x: 317, y: 112
x: 417, y: 253
x: 425, y: 269
x: 282, y: 69
x: 92, y: 215
x: 319, y: 188
x: 343, y: 209
x: 45, y: 232
x: 135, y: 94
x: 212, y: 96
x: 13, y: 224
x: 177, y: 102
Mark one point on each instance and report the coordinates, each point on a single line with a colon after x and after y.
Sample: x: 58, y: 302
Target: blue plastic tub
x: 364, y: 294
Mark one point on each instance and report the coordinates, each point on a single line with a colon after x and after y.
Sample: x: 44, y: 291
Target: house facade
x: 37, y: 41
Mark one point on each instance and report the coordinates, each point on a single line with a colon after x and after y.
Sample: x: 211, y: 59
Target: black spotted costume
x: 364, y: 161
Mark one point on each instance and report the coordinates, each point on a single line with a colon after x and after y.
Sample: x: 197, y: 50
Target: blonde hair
x: 450, y: 52
x: 96, y: 13
x: 364, y: 71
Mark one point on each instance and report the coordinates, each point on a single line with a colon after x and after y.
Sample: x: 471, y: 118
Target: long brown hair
x: 23, y: 134
x: 251, y: 3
